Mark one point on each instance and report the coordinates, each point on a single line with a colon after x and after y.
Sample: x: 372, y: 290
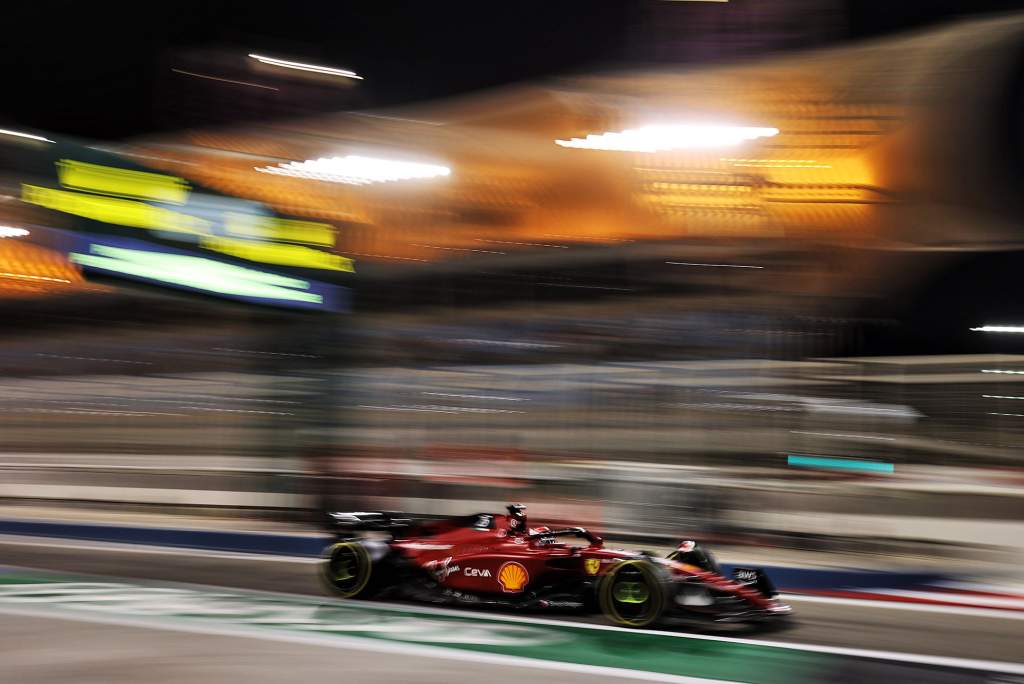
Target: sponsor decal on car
x: 441, y: 568
x: 572, y: 605
x: 745, y: 575
x: 476, y: 572
x: 592, y: 565
x: 512, y: 577
x: 470, y: 549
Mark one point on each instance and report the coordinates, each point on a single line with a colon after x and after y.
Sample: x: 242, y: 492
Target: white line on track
x: 55, y: 542
x: 922, y: 607
x: 977, y: 601
x: 157, y: 528
x: 356, y: 643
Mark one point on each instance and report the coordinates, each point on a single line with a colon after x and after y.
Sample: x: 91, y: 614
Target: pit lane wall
x: 653, y: 450
x: 637, y: 502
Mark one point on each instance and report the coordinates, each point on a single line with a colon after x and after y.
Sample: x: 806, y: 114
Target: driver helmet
x: 692, y: 553
x: 517, y: 519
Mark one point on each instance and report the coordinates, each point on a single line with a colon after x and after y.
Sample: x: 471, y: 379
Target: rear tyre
x: 348, y: 571
x: 634, y: 593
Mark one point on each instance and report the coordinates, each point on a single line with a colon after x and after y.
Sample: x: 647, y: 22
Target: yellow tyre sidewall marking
x: 363, y: 564
x: 607, y: 601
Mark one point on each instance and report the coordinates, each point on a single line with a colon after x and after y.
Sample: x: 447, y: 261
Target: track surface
x: 86, y: 648
x: 169, y: 657
x: 159, y: 657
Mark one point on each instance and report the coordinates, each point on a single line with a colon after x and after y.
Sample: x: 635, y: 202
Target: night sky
x: 90, y: 69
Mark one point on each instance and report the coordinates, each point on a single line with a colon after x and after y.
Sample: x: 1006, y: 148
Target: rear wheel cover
x: 347, y: 569
x: 633, y: 594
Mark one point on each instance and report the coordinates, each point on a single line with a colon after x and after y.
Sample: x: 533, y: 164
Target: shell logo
x: 513, y: 577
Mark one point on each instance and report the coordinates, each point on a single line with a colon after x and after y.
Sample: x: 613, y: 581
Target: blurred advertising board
x: 116, y: 218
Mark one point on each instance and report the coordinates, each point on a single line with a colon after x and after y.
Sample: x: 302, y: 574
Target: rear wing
x: 349, y: 523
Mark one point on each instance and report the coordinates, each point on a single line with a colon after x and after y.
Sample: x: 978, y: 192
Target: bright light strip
x: 998, y: 396
x: 691, y: 263
x: 223, y: 80
x: 777, y: 163
x: 1007, y: 372
x: 474, y: 396
x: 1000, y: 328
x: 356, y: 170
x: 16, y: 134
x: 197, y: 273
x: 8, y: 231
x: 26, y: 276
x: 834, y: 434
x: 839, y: 464
x: 330, y: 71
x: 661, y: 138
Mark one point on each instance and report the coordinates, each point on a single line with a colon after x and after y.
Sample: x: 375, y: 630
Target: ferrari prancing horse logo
x: 592, y: 565
x: 513, y: 577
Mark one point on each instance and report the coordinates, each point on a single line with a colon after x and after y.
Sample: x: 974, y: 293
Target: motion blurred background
x: 743, y: 270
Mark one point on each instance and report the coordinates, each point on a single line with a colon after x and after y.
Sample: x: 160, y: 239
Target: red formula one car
x: 498, y: 560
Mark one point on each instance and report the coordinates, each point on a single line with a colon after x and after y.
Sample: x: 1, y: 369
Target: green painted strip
x: 840, y: 464
x: 637, y: 651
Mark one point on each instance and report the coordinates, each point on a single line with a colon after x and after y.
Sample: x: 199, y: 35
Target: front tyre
x: 348, y: 570
x: 633, y: 593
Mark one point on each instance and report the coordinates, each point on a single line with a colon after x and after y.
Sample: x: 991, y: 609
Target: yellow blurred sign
x: 276, y: 253
x: 115, y: 196
x: 114, y: 210
x: 279, y: 229
x: 107, y: 180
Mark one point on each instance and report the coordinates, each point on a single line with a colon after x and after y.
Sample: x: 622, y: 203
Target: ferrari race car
x: 499, y: 561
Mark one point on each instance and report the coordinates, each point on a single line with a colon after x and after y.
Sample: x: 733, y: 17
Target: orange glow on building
x: 27, y: 270
x: 826, y: 175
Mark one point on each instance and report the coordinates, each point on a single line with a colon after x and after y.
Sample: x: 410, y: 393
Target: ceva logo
x: 474, y: 572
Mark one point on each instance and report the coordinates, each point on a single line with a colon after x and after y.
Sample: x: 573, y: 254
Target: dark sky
x: 91, y: 69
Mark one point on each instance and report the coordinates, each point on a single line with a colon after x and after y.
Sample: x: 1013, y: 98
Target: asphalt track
x: 51, y: 647
x: 155, y: 656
